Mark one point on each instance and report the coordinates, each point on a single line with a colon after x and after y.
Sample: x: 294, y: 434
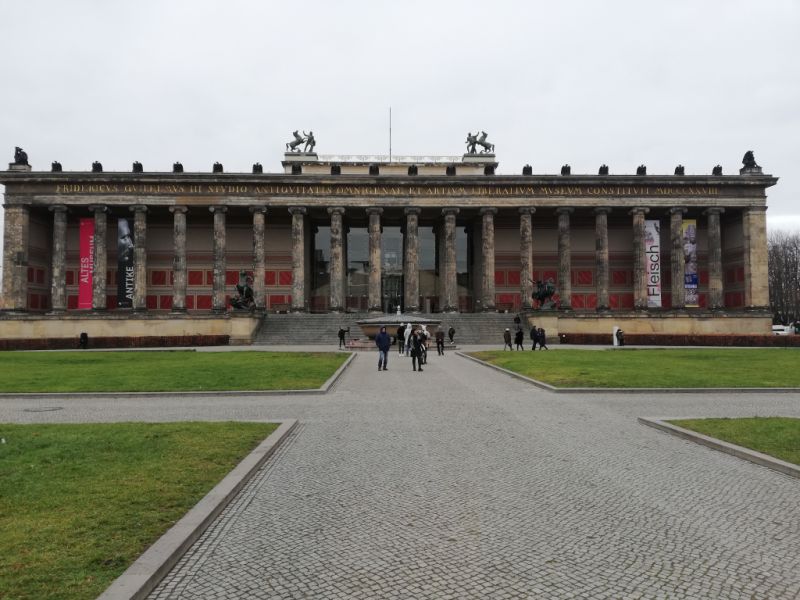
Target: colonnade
x: 17, y: 223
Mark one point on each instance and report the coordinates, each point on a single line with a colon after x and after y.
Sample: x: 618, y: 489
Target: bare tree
x: 784, y: 276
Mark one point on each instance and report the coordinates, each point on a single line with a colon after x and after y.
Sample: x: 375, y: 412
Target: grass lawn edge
x: 625, y: 390
x: 323, y: 389
x: 142, y: 577
x: 759, y: 458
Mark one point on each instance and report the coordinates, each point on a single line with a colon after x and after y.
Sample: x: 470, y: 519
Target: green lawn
x: 662, y: 368
x: 776, y: 436
x: 79, y: 503
x: 166, y: 371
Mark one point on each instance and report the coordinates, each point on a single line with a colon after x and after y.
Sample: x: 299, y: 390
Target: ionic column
x: 487, y: 246
x: 411, y: 263
x: 259, y: 260
x: 179, y: 258
x: 298, y: 258
x: 218, y: 303
x: 58, y: 273
x: 676, y: 258
x: 639, y: 259
x: 756, y: 279
x: 564, y: 259
x: 139, y: 257
x: 601, y: 255
x: 450, y: 287
x: 337, y: 260
x: 375, y: 259
x: 526, y: 254
x: 100, y: 256
x: 15, y: 257
x: 715, y: 299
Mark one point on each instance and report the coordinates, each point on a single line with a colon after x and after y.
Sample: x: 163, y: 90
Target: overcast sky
x: 585, y: 83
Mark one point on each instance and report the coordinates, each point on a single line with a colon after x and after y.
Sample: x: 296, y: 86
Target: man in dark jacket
x: 384, y: 344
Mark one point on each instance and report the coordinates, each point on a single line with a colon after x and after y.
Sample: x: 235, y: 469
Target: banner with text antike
x: 689, y: 229
x: 125, y: 274
x: 86, y: 264
x: 652, y: 250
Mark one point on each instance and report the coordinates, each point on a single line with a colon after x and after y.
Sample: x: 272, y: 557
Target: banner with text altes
x: 652, y: 251
x: 689, y: 230
x: 86, y: 247
x: 125, y: 269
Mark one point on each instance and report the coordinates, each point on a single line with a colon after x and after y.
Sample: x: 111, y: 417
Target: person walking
x: 518, y: 339
x: 416, y: 351
x: 507, y: 339
x: 342, y: 331
x: 534, y: 337
x: 384, y: 344
x: 401, y: 339
x: 542, y: 340
x: 440, y: 342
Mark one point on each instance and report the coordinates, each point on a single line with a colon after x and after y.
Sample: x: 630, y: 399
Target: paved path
x: 461, y: 482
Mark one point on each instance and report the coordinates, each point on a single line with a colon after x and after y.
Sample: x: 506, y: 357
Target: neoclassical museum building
x: 145, y: 253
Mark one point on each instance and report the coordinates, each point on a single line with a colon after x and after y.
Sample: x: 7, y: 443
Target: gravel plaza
x: 462, y: 482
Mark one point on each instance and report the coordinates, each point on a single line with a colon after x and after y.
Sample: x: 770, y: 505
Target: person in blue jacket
x: 384, y: 344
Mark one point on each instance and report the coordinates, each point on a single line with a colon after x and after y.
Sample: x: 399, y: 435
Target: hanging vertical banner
x: 652, y: 252
x: 689, y: 229
x: 86, y: 229
x: 125, y: 269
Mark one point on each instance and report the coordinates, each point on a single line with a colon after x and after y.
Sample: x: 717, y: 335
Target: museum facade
x: 138, y: 253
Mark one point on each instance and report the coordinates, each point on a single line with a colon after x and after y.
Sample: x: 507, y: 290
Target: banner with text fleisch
x: 689, y: 230
x: 86, y: 247
x: 652, y: 251
x: 125, y: 270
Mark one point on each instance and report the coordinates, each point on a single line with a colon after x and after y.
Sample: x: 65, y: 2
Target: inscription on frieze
x: 375, y: 191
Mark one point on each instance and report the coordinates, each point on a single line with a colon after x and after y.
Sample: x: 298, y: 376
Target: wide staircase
x: 311, y: 329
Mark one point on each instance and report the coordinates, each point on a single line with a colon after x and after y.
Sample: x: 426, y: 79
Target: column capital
x: 374, y: 210
x: 678, y: 209
x: 602, y: 210
x: 57, y: 208
x: 638, y: 210
x: 488, y: 210
x: 714, y: 210
x: 450, y: 211
x: 98, y: 208
x: 565, y: 210
x: 258, y: 209
x: 298, y: 210
x: 178, y: 209
x: 412, y: 210
x: 216, y: 208
x: 138, y: 208
x: 336, y: 210
x: 525, y: 210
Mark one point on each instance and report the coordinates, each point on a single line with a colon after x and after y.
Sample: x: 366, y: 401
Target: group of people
x: 537, y: 335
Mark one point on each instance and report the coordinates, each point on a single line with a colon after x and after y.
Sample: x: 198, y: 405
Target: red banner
x: 86, y: 263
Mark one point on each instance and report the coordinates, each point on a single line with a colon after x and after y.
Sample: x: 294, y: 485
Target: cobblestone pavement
x: 461, y: 482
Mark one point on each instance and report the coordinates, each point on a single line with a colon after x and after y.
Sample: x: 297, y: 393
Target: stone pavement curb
x: 738, y: 451
x: 147, y: 571
x: 597, y: 390
x: 196, y: 394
